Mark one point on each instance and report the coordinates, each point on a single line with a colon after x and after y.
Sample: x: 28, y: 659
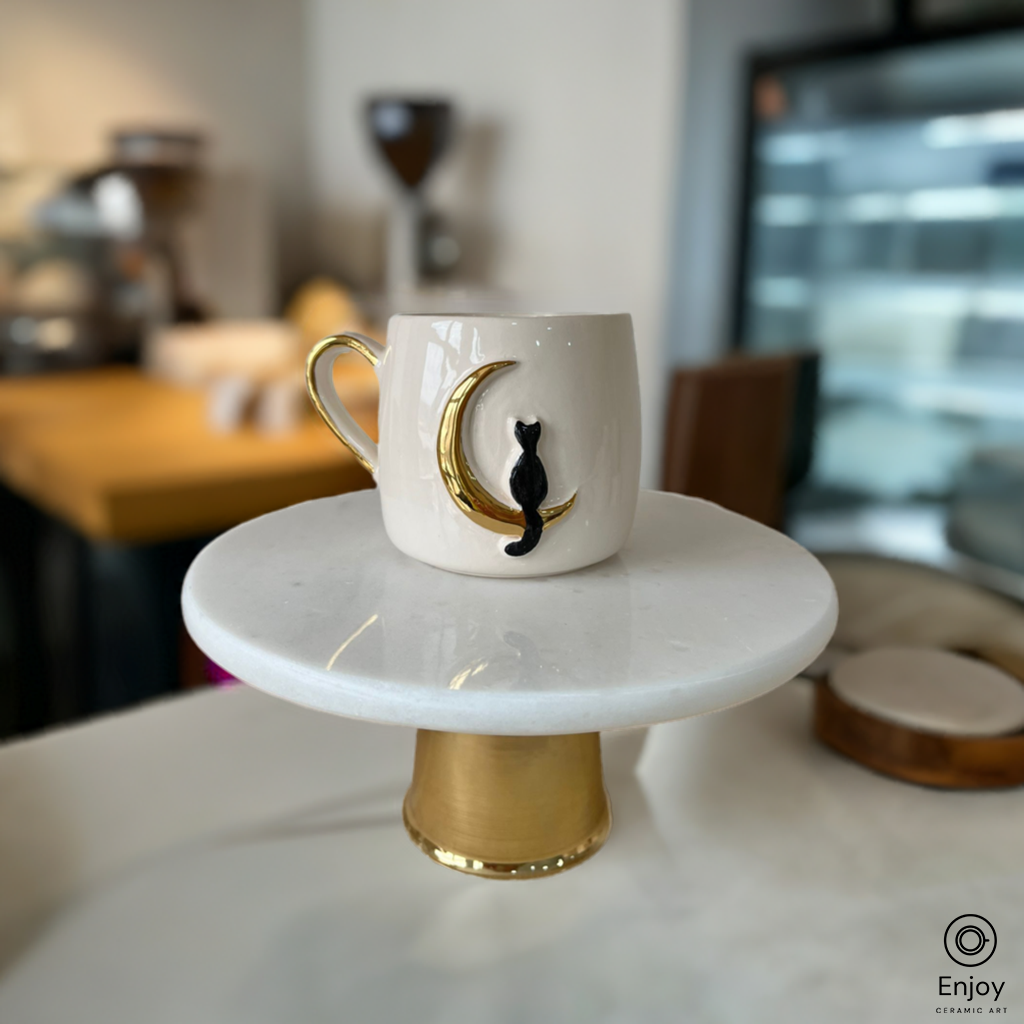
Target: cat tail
x: 531, y: 535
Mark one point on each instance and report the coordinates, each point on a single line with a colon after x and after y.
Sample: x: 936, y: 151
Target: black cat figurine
x: 529, y: 486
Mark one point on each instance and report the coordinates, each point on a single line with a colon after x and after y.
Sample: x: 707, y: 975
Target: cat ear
x: 527, y: 431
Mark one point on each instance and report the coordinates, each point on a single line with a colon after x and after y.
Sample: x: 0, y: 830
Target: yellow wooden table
x: 122, y: 457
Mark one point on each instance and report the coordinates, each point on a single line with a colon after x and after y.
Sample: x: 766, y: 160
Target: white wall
x: 569, y: 120
x: 720, y: 33
x: 70, y: 70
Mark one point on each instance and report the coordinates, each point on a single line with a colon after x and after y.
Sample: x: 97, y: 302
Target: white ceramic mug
x: 509, y: 444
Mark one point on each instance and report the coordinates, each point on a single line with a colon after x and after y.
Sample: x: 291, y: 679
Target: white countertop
x: 227, y: 857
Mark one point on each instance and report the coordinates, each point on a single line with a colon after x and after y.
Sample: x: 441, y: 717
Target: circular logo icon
x: 970, y: 940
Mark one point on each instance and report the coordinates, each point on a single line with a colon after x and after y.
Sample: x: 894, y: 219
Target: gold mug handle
x: 320, y: 384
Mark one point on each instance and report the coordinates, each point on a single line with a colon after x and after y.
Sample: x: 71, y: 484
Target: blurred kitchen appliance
x: 411, y: 134
x: 882, y: 221
x: 98, y: 259
x: 92, y: 262
x: 164, y: 170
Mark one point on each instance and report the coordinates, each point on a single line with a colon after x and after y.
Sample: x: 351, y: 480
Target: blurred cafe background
x: 814, y: 213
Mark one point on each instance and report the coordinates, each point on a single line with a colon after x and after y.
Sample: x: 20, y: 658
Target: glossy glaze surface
x: 700, y: 610
x: 576, y: 374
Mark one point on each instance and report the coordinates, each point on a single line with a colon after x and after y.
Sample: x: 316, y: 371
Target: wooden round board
x: 929, y: 757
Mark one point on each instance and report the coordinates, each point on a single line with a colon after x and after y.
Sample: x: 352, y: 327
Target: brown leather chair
x: 739, y: 432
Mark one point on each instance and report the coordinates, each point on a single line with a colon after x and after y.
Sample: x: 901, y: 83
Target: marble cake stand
x: 509, y: 681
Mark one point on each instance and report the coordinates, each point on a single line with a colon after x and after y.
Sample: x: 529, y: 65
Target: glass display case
x: 883, y: 224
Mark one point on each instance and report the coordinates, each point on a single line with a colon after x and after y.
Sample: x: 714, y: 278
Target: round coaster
x: 931, y: 691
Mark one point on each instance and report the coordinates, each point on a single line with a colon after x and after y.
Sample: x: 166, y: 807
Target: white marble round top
x: 701, y: 610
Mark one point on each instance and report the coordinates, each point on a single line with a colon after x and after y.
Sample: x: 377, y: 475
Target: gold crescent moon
x: 472, y: 498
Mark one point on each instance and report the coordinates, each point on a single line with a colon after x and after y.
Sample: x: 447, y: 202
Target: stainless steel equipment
x: 89, y: 267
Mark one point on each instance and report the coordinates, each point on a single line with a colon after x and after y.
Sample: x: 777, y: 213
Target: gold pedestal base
x: 507, y: 806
